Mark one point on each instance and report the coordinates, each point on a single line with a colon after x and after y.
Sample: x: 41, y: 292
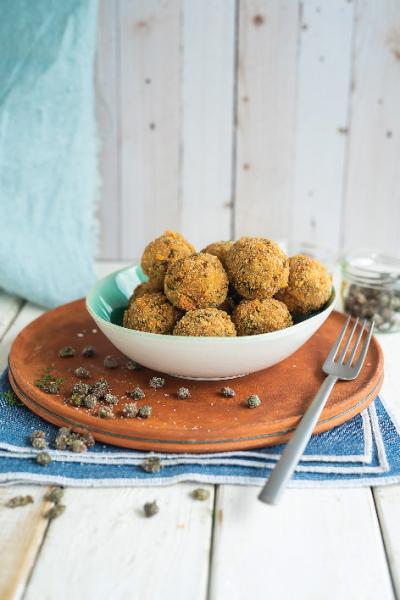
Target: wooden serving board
x: 207, y: 422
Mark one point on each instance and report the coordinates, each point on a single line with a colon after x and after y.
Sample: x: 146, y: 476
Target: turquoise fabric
x: 48, y: 144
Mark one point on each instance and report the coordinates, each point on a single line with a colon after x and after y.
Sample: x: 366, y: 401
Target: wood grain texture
x: 313, y: 143
x: 22, y: 531
x: 9, y: 307
x: 25, y: 316
x: 315, y: 544
x: 331, y: 534
x: 208, y: 72
x: 108, y: 117
x: 387, y: 501
x: 323, y: 90
x: 372, y: 202
x: 391, y: 384
x: 266, y: 101
x: 103, y: 546
x: 18, y: 550
x: 207, y: 422
x: 150, y: 57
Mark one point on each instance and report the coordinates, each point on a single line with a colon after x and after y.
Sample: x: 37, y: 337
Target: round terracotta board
x: 207, y: 422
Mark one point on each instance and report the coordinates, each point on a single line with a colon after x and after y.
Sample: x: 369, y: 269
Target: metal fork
x: 341, y: 368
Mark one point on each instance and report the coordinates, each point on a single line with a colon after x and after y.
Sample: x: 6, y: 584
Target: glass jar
x: 371, y: 289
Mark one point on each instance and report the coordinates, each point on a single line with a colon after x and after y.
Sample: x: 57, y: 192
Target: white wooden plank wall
x: 372, y: 216
x: 231, y: 117
x: 324, y: 74
x: 149, y: 119
x: 266, y: 116
x: 208, y: 63
x: 107, y: 89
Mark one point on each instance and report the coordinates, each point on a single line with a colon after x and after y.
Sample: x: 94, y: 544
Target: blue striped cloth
x: 362, y: 451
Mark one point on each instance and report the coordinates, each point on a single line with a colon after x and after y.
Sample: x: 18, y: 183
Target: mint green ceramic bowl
x: 191, y: 357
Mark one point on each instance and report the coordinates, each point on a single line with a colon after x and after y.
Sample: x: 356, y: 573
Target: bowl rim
x: 163, y: 338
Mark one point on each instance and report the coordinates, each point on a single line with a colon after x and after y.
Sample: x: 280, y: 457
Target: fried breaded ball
x: 257, y: 267
x: 152, y: 313
x: 205, y: 322
x: 310, y: 285
x: 149, y: 287
x: 218, y: 249
x: 197, y: 281
x: 161, y: 252
x: 253, y: 317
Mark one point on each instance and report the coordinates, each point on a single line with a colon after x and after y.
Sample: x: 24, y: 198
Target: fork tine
x: 347, y: 345
x: 336, y: 346
x: 354, y: 350
x: 360, y: 361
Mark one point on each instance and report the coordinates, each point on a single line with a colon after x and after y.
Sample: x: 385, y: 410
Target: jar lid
x: 372, y: 268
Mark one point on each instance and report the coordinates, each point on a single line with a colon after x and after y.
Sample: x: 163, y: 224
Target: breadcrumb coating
x: 197, y: 281
x: 205, y: 322
x: 257, y: 267
x: 152, y: 313
x: 161, y: 252
x: 219, y: 249
x: 149, y: 287
x: 253, y: 317
x: 247, y: 287
x: 309, y: 287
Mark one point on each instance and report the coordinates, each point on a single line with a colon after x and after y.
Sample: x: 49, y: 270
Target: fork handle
x: 273, y: 489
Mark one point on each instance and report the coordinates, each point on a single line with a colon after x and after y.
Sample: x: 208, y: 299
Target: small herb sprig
x: 49, y: 383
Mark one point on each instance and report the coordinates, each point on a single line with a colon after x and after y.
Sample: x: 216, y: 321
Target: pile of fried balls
x: 247, y: 287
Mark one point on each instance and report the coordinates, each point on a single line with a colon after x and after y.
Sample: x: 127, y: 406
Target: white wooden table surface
x: 318, y: 544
